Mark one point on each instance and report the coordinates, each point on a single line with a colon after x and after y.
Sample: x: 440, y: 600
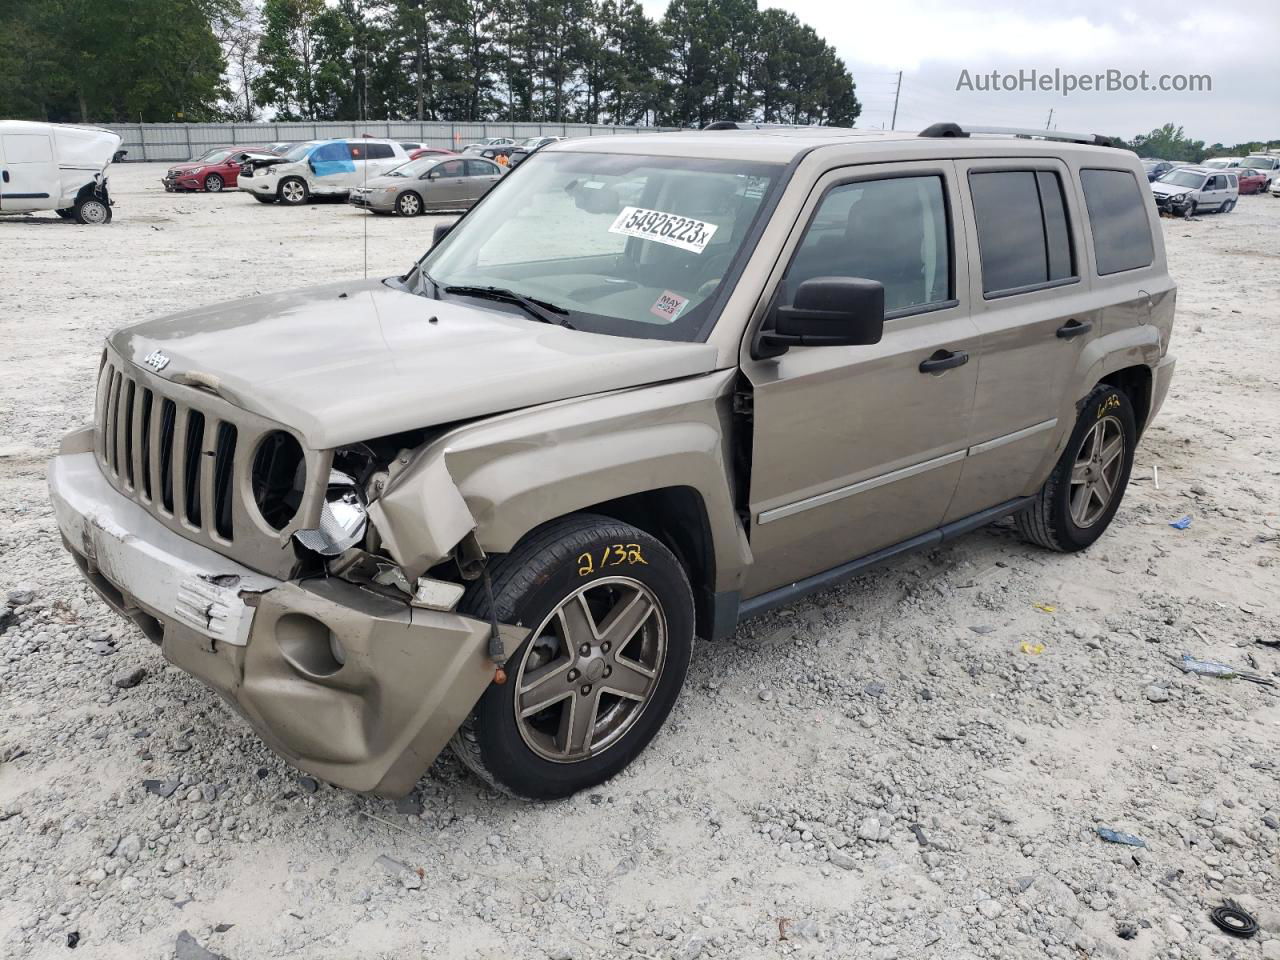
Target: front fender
x: 519, y: 470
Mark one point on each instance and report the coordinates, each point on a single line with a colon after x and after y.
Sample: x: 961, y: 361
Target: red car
x: 1251, y: 181
x: 217, y: 169
x: 431, y: 152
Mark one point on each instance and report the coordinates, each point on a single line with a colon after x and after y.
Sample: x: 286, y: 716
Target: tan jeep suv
x: 647, y: 387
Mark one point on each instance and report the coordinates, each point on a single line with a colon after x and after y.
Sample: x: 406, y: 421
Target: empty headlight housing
x: 343, y: 518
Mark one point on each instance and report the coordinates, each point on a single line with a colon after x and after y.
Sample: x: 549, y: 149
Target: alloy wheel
x: 590, y: 669
x: 293, y: 191
x: 1095, y: 475
x: 213, y: 183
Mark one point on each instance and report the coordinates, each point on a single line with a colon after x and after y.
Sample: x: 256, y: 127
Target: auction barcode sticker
x: 669, y: 228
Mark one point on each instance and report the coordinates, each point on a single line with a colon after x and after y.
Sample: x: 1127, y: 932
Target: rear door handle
x: 944, y: 360
x: 1074, y: 328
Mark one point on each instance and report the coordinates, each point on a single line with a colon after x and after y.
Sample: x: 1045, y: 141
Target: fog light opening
x: 309, y: 646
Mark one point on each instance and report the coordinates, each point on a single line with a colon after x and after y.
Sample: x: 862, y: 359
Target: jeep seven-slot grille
x: 174, y: 459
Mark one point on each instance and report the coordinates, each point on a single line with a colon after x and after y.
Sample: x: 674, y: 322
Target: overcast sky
x: 931, y: 42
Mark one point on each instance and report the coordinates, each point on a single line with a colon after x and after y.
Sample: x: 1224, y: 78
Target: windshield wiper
x: 538, y: 309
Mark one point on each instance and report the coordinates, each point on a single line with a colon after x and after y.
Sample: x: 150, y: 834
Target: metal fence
x: 180, y: 141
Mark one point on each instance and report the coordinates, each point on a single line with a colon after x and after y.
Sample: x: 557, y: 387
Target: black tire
x: 91, y: 211
x: 213, y: 183
x: 1048, y: 521
x: 261, y: 199
x: 1228, y: 206
x: 408, y: 204
x: 1190, y: 212
x: 529, y: 583
x: 291, y: 197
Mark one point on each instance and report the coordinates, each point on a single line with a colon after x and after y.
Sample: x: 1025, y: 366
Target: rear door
x: 380, y: 158
x: 1030, y: 304
x: 481, y: 176
x: 28, y: 172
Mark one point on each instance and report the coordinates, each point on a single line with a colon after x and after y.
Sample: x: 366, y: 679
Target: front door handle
x: 6, y: 176
x: 944, y: 360
x: 1074, y: 328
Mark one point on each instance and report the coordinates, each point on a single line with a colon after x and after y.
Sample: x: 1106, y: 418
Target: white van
x: 54, y: 166
x: 331, y: 168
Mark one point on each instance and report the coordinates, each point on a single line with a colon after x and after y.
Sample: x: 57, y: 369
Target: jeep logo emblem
x: 156, y: 360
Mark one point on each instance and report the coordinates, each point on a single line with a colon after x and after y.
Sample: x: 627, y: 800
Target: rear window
x: 1119, y: 221
x: 1023, y: 236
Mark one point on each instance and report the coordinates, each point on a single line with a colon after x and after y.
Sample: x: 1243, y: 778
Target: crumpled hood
x: 1161, y: 189
x: 355, y: 360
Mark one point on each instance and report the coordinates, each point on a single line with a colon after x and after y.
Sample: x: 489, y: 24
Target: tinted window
x: 478, y: 168
x: 371, y: 151
x: 894, y: 231
x: 1118, y: 219
x: 1023, y: 236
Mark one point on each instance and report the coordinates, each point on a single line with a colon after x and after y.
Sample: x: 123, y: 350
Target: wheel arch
x: 1135, y: 382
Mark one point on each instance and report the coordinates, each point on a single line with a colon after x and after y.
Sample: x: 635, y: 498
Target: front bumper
x: 371, y: 201
x: 373, y: 722
x: 172, y: 184
x: 259, y: 184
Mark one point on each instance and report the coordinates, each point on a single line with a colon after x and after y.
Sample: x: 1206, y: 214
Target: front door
x: 856, y: 448
x: 448, y: 185
x: 1026, y: 247
x: 28, y: 174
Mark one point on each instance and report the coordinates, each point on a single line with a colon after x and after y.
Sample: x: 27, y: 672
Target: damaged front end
x: 1175, y: 204
x: 260, y: 567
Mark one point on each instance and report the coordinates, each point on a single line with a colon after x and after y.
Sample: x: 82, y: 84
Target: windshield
x: 415, y: 168
x: 299, y: 152
x: 1257, y: 163
x: 1183, y: 178
x: 1216, y: 164
x: 213, y: 156
x: 628, y: 245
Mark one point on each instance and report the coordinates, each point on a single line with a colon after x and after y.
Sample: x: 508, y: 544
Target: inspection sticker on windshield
x: 669, y: 228
x: 668, y: 306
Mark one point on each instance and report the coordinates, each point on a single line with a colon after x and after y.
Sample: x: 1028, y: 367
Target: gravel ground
x: 913, y: 765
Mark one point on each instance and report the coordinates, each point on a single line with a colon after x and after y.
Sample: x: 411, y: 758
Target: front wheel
x: 612, y: 622
x: 1083, y: 492
x: 1190, y: 212
x: 1228, y: 206
x: 213, y: 183
x: 91, y: 211
x: 293, y: 191
x: 409, y: 204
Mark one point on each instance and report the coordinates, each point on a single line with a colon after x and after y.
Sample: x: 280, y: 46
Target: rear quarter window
x: 1118, y: 219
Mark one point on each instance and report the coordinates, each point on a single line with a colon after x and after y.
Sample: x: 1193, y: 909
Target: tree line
x: 1170, y: 142
x: 587, y: 61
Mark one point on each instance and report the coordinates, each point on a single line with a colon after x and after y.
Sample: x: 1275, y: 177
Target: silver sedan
x: 428, y: 183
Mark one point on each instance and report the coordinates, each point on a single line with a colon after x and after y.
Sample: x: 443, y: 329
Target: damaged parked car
x: 325, y: 168
x: 215, y: 170
x: 490, y: 503
x: 56, y: 166
x: 1186, y: 191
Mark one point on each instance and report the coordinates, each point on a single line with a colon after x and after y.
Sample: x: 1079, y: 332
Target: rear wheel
x: 612, y: 617
x: 293, y: 191
x: 213, y: 183
x: 91, y: 211
x: 1083, y: 492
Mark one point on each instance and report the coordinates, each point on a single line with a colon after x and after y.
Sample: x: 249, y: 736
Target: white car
x: 1268, y: 163
x: 1187, y: 191
x: 1222, y: 163
x: 320, y: 168
x: 55, y: 166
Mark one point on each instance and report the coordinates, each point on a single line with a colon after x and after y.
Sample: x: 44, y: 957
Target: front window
x: 415, y: 168
x: 1183, y: 178
x: 1258, y: 163
x: 213, y: 156
x: 626, y: 245
x: 1216, y: 164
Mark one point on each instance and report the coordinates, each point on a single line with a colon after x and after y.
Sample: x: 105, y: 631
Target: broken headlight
x: 345, y: 515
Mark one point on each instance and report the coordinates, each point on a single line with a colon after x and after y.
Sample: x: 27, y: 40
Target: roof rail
x: 1025, y: 133
x: 753, y: 125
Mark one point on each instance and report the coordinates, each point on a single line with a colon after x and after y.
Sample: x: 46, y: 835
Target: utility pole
x: 893, y: 124
x: 1050, y: 120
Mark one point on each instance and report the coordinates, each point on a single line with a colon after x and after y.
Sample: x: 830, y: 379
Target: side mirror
x: 827, y: 312
x: 441, y: 231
